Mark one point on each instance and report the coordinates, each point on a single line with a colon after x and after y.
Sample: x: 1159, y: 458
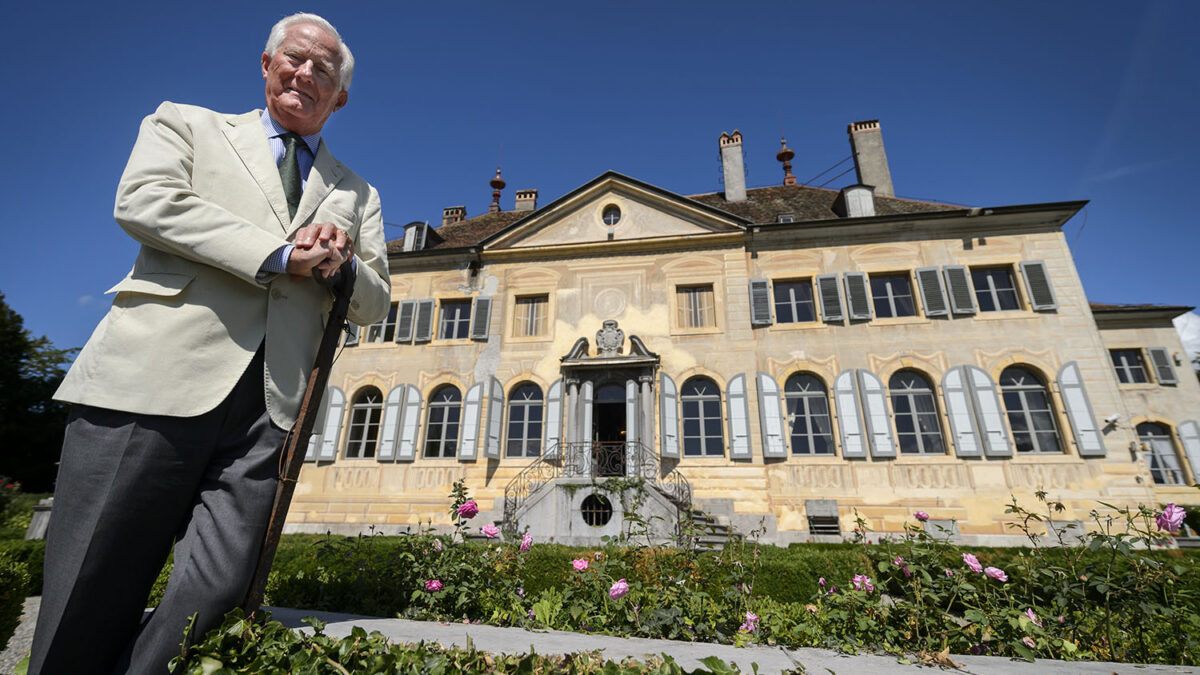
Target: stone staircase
x: 711, y: 532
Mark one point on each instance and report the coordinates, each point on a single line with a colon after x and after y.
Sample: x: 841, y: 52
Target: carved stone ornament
x: 609, y: 339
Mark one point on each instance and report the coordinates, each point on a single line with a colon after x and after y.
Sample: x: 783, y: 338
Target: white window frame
x: 1025, y: 414
x: 449, y: 326
x: 366, y: 415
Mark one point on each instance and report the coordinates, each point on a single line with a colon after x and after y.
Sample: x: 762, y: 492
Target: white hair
x: 279, y: 31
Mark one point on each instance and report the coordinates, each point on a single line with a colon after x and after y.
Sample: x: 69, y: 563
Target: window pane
x: 794, y: 301
x: 695, y: 307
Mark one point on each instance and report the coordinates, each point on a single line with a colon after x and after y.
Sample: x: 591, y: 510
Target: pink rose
x: 526, y: 542
x: 972, y: 562
x: 1029, y: 642
x: 949, y: 572
x: 490, y: 531
x: 1171, y: 518
x: 750, y: 624
x: 996, y: 573
x: 433, y: 585
x: 580, y: 564
x: 921, y: 516
x: 619, y: 589
x: 862, y: 582
x: 821, y: 581
x: 468, y: 509
x: 1033, y: 617
x: 437, y: 545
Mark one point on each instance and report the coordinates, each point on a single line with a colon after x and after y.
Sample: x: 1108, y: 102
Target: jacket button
x: 276, y: 294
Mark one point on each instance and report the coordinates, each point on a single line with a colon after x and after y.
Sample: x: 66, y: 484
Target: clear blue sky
x: 981, y: 104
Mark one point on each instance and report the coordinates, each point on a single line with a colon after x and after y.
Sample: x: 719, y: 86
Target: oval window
x: 611, y: 215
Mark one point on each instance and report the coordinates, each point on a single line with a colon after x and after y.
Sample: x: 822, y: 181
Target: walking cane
x: 297, y: 441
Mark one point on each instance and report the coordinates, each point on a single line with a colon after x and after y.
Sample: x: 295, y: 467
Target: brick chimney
x: 870, y: 161
x: 526, y: 200
x: 453, y: 214
x: 732, y: 166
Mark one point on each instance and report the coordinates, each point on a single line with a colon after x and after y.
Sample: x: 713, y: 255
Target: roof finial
x: 497, y: 184
x: 785, y: 155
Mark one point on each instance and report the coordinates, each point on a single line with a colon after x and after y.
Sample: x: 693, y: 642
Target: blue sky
x: 981, y: 104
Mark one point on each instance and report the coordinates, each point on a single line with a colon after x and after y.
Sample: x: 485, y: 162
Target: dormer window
x: 786, y: 218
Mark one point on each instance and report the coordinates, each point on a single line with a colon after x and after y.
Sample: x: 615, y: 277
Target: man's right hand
x: 319, y: 246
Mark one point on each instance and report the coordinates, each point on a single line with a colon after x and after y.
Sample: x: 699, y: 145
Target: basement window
x: 824, y: 525
x: 596, y: 510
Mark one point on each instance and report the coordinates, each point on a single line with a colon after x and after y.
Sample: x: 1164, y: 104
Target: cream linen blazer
x: 202, y: 195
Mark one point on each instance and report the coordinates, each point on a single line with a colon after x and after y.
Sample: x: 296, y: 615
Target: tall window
x: 525, y: 421
x: 529, y: 319
x: 892, y: 295
x: 695, y: 307
x: 1129, y: 365
x: 995, y: 290
x: 384, y: 330
x: 794, y: 302
x: 702, y: 433
x: 365, y: 412
x: 808, y: 415
x: 456, y: 320
x: 917, y: 425
x: 441, y: 426
x: 1029, y: 411
x: 1164, y: 463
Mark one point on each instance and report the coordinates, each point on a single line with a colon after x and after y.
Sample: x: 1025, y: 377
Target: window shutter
x: 389, y: 431
x: 1163, y: 369
x: 585, y: 431
x: 419, y: 237
x: 958, y: 287
x: 333, y: 425
x: 423, y: 330
x: 1079, y: 411
x: 739, y: 417
x: 404, y: 320
x: 318, y: 429
x: 830, y: 291
x: 554, y: 404
x: 858, y: 300
x: 845, y: 394
x: 669, y: 415
x: 631, y: 412
x: 1037, y: 281
x: 410, y: 423
x: 760, y: 302
x: 469, y: 431
x: 481, y: 318
x: 1189, y: 436
x: 875, y: 412
x: 495, y: 422
x: 933, y: 293
x: 989, y: 416
x: 959, y: 410
x: 351, y: 335
x: 770, y: 417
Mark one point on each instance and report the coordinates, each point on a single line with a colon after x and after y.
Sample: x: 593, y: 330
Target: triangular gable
x: 646, y: 212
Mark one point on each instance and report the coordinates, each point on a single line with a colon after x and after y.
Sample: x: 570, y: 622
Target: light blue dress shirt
x: 276, y: 263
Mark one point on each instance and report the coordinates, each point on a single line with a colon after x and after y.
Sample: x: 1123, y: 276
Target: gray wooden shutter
x: 858, y: 300
x: 1163, y: 368
x: 410, y: 424
x: 933, y: 293
x: 469, y: 431
x: 829, y: 288
x: 586, y: 395
x: 554, y: 405
x: 958, y: 287
x: 318, y: 429
x: 1189, y: 437
x: 351, y: 335
x: 875, y: 412
x: 760, y: 302
x: 739, y: 417
x: 389, y: 432
x: 333, y: 425
x: 960, y: 411
x: 631, y: 412
x: 989, y: 416
x: 668, y: 415
x: 845, y: 394
x: 423, y: 330
x: 481, y: 318
x: 404, y: 320
x: 1037, y: 282
x: 770, y: 417
x: 495, y: 420
x: 1079, y: 411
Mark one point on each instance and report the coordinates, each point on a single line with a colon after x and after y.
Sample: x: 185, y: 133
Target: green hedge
x: 14, y: 586
x: 30, y: 553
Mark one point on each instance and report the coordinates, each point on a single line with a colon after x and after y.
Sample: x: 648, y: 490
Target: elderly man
x: 186, y: 389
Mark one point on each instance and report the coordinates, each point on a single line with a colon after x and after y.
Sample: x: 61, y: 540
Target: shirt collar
x: 274, y: 129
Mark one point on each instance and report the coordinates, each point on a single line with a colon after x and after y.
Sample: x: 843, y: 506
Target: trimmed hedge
x: 14, y: 586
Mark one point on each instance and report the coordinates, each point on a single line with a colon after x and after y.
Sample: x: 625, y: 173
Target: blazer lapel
x: 246, y: 134
x: 324, y: 175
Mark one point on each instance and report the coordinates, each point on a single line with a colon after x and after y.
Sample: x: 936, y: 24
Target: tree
x: 31, y: 422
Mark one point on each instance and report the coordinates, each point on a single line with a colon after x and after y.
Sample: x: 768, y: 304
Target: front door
x: 608, y: 431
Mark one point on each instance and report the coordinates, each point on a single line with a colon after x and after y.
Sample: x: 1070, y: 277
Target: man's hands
x: 321, y: 247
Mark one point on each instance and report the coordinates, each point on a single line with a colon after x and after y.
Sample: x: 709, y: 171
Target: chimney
x: 732, y: 166
x: 453, y: 214
x: 526, y: 200
x: 870, y: 161
x: 855, y: 201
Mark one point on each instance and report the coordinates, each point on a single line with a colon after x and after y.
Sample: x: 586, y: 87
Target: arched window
x: 441, y: 425
x: 808, y: 415
x: 365, y: 412
x: 702, y: 433
x: 525, y: 421
x: 1029, y: 411
x: 918, y: 427
x: 1164, y: 463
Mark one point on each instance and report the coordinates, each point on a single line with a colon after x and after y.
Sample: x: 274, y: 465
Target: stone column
x: 647, y: 431
x: 571, y: 410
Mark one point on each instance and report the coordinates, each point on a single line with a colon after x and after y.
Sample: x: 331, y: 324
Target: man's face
x: 303, y: 84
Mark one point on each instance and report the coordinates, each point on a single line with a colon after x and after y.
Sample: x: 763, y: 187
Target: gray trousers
x: 128, y: 487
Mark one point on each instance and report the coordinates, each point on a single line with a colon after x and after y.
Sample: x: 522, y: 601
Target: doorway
x: 608, y: 431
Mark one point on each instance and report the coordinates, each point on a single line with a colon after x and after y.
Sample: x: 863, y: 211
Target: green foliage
x: 30, y: 554
x: 14, y: 584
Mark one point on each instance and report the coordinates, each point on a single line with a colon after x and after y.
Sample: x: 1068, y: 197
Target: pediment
x: 645, y: 212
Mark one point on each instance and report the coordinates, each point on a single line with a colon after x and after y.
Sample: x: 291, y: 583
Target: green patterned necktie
x: 289, y: 171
